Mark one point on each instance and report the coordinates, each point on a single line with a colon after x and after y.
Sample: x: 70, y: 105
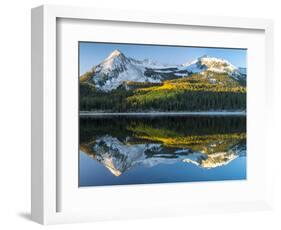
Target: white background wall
x: 15, y: 113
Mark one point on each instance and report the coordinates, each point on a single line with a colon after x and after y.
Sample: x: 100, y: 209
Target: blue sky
x: 92, y: 53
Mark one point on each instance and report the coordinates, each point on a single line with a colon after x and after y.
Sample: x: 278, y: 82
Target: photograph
x: 161, y: 113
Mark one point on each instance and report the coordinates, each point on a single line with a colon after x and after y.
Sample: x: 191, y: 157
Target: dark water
x: 117, y: 150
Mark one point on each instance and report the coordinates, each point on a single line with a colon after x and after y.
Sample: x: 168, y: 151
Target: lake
x: 122, y: 150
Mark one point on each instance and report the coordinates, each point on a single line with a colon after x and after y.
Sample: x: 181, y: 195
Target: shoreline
x: 206, y: 113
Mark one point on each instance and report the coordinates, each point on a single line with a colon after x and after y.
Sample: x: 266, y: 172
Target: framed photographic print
x: 147, y: 122
x: 152, y: 114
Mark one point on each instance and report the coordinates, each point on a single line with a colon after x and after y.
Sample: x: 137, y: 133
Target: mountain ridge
x: 116, y: 69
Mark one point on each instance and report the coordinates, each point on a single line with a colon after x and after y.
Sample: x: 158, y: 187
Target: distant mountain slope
x: 118, y: 69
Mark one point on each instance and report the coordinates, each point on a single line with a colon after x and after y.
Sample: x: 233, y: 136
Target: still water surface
x: 117, y: 150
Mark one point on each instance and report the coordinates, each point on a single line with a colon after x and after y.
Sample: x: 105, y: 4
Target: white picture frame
x: 45, y: 162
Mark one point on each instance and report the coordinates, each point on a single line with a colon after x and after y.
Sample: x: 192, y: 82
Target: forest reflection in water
x: 158, y: 149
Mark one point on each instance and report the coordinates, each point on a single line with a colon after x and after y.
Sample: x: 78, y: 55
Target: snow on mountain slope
x: 212, y: 64
x: 194, y: 66
x: 117, y: 68
x: 147, y: 63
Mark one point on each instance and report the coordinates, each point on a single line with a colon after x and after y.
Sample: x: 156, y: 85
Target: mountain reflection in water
x: 122, y: 144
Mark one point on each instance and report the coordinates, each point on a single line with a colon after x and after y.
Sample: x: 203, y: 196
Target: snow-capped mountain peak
x: 210, y: 63
x: 116, y: 69
x: 215, y: 65
x: 115, y: 53
x: 114, y: 61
